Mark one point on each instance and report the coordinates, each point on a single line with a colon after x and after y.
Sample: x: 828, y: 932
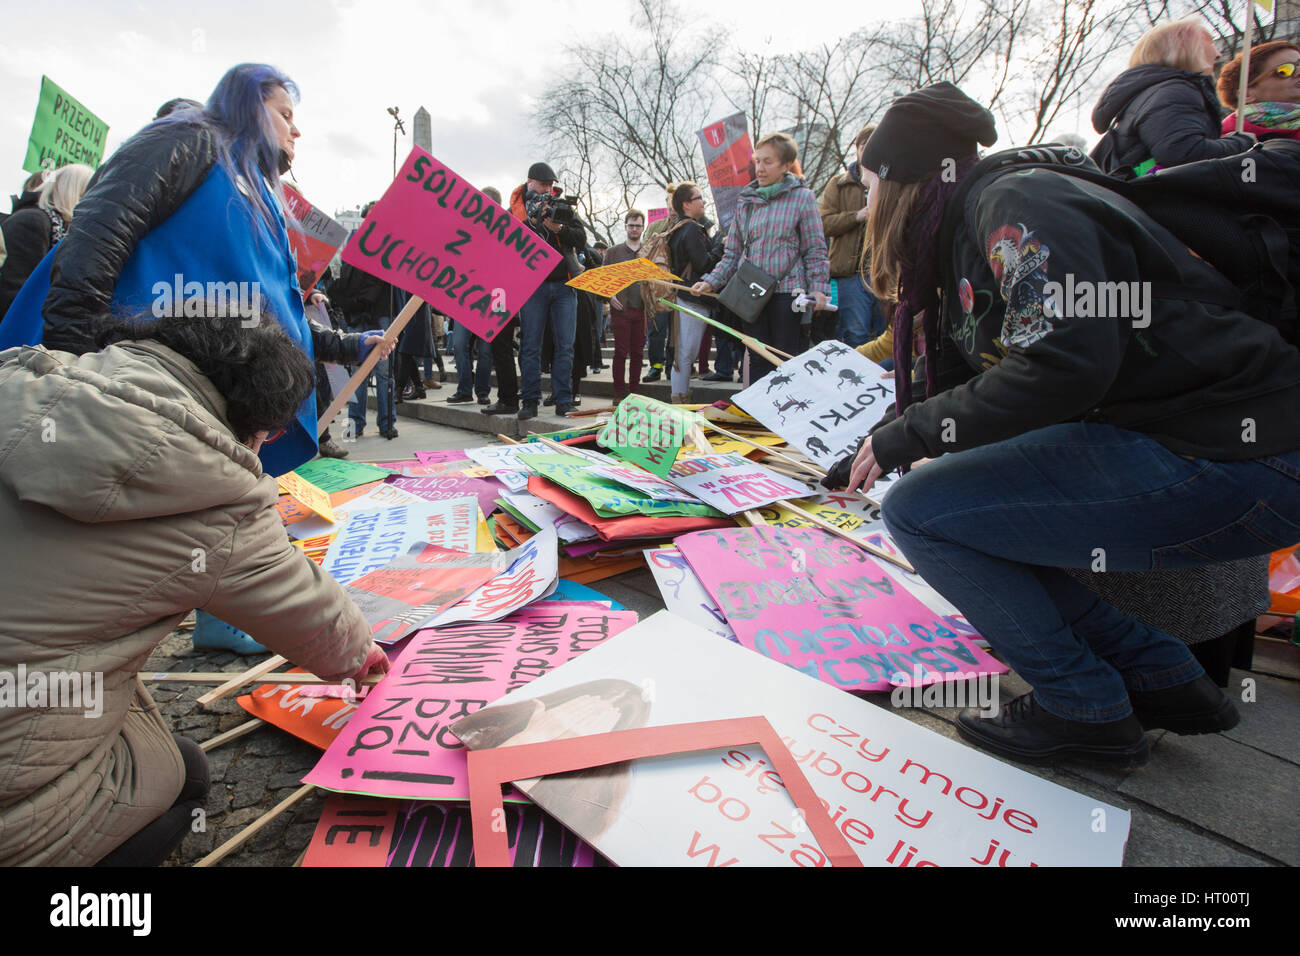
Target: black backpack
x: 1240, y: 213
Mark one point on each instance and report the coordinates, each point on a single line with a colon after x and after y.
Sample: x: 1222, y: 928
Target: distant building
x: 349, y: 219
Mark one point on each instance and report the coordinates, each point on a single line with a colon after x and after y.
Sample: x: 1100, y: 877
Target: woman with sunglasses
x: 1272, y: 108
x: 132, y: 472
x: 1162, y: 111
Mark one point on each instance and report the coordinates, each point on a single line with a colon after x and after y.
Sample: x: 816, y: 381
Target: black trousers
x: 503, y: 363
x: 156, y: 842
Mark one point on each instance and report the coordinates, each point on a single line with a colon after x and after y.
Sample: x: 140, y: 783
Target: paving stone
x: 283, y: 779
x: 1269, y: 722
x: 1227, y: 788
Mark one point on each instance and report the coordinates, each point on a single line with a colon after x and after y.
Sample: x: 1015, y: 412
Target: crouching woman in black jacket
x: 1077, y: 419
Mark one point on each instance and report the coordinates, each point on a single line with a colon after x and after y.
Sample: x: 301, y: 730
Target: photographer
x: 555, y: 220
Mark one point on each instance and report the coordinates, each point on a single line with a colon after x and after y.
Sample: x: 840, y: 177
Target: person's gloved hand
x: 838, y: 477
x: 370, y: 339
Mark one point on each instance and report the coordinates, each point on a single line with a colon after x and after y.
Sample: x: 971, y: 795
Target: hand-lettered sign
x: 63, y: 132
x: 647, y: 433
x: 822, y: 401
x: 733, y: 483
x: 613, y: 279
x: 683, y: 594
x: 807, y: 599
x: 436, y: 236
x: 532, y: 575
x: 902, y: 795
x: 314, y: 238
x: 374, y: 537
x: 398, y: 744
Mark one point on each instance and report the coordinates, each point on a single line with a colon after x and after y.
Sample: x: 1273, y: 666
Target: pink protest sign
x: 436, y: 236
x: 398, y: 743
x: 434, y: 457
x: 439, y: 487
x: 820, y: 605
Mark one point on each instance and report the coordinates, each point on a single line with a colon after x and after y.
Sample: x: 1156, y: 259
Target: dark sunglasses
x: 1285, y: 70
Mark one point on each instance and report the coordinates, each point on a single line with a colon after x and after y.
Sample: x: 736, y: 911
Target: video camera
x: 560, y: 209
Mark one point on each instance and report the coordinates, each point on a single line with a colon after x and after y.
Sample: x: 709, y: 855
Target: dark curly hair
x: 261, y: 373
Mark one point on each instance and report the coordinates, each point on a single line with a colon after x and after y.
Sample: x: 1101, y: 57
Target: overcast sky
x: 475, y: 65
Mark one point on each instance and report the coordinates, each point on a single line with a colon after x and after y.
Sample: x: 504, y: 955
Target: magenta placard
x: 810, y: 600
x: 398, y: 744
x: 436, y: 236
x: 449, y: 454
x: 438, y: 487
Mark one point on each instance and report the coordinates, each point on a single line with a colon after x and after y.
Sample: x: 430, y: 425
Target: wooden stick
x: 841, y: 533
x: 371, y: 361
x: 1245, y: 67
x: 239, y: 680
x: 768, y: 449
x: 690, y: 289
x: 222, y: 677
x: 508, y: 440
x: 250, y: 831
x: 588, y: 412
x: 749, y: 341
x: 232, y: 734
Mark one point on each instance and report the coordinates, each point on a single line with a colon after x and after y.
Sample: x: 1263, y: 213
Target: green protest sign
x: 607, y: 497
x: 63, y: 132
x: 647, y: 433
x: 333, y: 474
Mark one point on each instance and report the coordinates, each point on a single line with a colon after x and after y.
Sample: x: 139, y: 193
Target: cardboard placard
x: 610, y: 498
x: 63, y: 131
x: 902, y: 795
x: 335, y: 474
x: 374, y: 537
x: 442, y: 487
x: 683, y: 593
x: 313, y: 236
x: 822, y: 401
x: 439, y: 238
x: 818, y: 604
x: 489, y: 769
x: 398, y: 744
x: 732, y: 483
x: 647, y: 433
x: 313, y: 497
x: 531, y: 576
x: 610, y: 280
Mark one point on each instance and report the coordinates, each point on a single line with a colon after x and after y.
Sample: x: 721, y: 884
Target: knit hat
x: 922, y: 129
x: 542, y: 173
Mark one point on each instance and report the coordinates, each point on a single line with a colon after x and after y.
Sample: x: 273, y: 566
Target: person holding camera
x: 554, y: 303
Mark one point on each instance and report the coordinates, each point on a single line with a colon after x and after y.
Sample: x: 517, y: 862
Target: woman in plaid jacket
x: 778, y: 228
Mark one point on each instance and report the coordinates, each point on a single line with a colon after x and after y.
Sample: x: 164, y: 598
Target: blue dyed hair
x: 246, y: 145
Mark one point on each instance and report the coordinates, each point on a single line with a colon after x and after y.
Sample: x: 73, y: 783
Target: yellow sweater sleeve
x: 879, y: 348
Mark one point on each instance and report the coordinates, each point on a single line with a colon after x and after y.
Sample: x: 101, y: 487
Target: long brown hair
x: 885, y: 250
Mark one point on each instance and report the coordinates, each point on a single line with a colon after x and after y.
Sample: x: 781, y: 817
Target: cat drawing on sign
x: 850, y: 377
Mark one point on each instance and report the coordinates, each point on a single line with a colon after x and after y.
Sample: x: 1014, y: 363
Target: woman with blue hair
x: 187, y: 218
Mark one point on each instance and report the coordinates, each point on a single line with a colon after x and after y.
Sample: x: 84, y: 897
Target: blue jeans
x: 990, y: 529
x: 660, y: 325
x: 469, y: 372
x: 861, y: 318
x: 386, y: 412
x: 556, y: 303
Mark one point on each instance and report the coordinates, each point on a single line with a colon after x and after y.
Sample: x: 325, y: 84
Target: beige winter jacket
x: 125, y: 502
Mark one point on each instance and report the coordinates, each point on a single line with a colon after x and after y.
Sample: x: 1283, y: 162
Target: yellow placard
x: 783, y: 517
x: 611, y: 280
x: 317, y: 499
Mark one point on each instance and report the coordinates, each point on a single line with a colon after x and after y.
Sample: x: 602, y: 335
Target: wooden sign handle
x: 372, y: 359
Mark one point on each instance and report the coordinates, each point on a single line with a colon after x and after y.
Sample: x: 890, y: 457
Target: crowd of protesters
x: 1030, y: 442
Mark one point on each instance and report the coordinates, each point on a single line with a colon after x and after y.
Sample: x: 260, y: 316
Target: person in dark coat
x: 1163, y: 110
x: 415, y: 342
x: 1062, y: 436
x: 40, y: 218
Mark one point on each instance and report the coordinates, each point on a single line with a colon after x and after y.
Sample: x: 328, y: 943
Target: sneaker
x: 500, y: 409
x: 1197, y: 707
x: 390, y: 433
x: 1024, y: 731
x: 550, y: 399
x: 332, y: 449
x: 566, y: 408
x: 460, y: 400
x: 655, y: 375
x: 716, y: 377
x: 527, y: 410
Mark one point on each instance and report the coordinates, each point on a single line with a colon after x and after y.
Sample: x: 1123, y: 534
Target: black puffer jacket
x: 1157, y: 112
x: 143, y: 183
x: 1022, y: 349
x: 28, y: 235
x: 693, y: 252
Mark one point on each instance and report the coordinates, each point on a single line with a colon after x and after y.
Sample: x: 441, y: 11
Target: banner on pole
x: 63, y: 132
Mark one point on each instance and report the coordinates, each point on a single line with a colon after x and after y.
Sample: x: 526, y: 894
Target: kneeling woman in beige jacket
x: 131, y: 494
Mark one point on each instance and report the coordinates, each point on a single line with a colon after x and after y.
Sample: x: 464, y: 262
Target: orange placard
x: 611, y: 280
x: 490, y: 769
x: 317, y: 499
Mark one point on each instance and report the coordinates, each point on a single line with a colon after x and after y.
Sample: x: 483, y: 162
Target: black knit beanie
x: 922, y: 129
